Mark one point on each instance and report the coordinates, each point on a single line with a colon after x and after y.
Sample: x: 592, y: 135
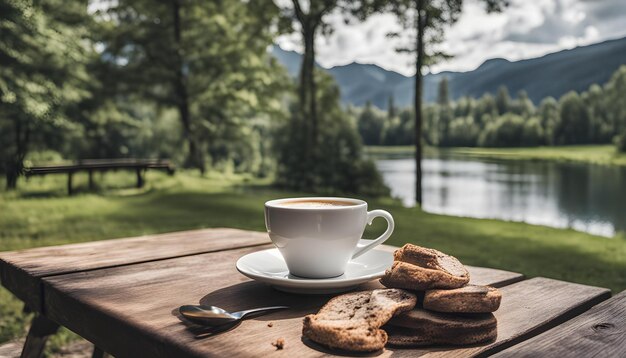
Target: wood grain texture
x: 21, y: 271
x: 492, y: 277
x: 599, y: 332
x: 132, y: 310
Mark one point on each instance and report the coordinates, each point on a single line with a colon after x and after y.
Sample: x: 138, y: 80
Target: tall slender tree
x: 310, y: 21
x: 391, y: 107
x: 443, y: 92
x: 446, y: 115
x: 503, y: 100
x: 425, y: 22
x: 310, y: 17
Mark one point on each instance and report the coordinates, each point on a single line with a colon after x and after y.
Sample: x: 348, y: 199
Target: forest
x: 596, y: 116
x: 190, y: 81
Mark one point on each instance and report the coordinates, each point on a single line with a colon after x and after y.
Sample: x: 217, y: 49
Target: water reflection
x: 584, y: 197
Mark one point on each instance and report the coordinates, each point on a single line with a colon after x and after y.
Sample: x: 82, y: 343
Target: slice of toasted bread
x: 420, y: 327
x: 352, y: 321
x: 467, y: 299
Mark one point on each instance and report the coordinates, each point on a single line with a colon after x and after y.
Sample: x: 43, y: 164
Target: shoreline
x: 591, y: 154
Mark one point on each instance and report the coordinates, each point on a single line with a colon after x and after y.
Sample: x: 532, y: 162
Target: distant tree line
x: 596, y: 116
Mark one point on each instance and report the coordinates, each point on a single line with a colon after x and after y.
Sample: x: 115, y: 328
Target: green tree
x: 444, y: 119
x: 505, y: 131
x: 443, y: 92
x: 399, y: 131
x: 370, y: 124
x: 503, y: 100
x: 548, y: 111
x: 616, y: 106
x: 446, y: 114
x: 206, y: 59
x: 533, y: 133
x: 464, y: 107
x: 43, y: 50
x: 311, y: 19
x: 425, y: 22
x: 341, y: 168
x: 522, y: 105
x: 463, y: 132
x: 485, y: 105
x: 600, y: 128
x: 573, y: 124
x: 391, y: 107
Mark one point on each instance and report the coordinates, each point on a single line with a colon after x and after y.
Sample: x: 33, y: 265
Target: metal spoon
x: 215, y: 316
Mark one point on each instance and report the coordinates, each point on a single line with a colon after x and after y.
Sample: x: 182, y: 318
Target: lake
x: 583, y: 197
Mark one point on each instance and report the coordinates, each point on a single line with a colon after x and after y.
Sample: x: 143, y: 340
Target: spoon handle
x: 242, y: 314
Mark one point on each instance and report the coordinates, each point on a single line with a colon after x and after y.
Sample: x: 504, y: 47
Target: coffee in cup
x: 318, y: 236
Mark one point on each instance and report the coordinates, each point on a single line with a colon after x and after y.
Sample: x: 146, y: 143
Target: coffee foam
x: 312, y: 204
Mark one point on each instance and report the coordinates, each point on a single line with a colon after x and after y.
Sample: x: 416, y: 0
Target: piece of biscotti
x: 467, y: 299
x: 421, y: 268
x: 430, y: 258
x: 352, y: 321
x: 420, y: 327
x: 413, y: 277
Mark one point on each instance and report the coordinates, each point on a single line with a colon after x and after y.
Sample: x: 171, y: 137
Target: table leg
x: 99, y: 353
x: 40, y: 329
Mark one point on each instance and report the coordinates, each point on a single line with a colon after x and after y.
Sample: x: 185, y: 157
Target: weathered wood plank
x: 599, y: 332
x: 132, y: 310
x: 21, y: 271
x: 493, y: 277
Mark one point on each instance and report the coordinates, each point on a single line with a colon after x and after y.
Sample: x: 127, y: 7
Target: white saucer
x: 269, y: 266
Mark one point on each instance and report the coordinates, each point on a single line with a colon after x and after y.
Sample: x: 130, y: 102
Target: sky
x: 526, y: 29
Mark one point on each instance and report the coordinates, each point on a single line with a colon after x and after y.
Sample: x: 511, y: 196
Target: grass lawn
x: 41, y: 213
x: 596, y: 154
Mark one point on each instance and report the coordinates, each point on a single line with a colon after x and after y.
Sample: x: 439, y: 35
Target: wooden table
x: 123, y: 295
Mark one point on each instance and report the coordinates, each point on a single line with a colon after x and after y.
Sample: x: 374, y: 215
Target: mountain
x: 550, y: 75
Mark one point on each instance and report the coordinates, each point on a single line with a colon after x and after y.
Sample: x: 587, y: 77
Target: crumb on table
x: 270, y: 324
x: 279, y: 344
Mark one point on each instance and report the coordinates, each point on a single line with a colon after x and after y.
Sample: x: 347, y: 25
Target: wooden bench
x: 123, y: 295
x: 102, y: 165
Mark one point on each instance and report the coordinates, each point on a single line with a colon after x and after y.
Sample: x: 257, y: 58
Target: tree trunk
x: 195, y: 158
x: 419, y: 61
x: 308, y: 100
x: 15, y: 163
x: 11, y: 176
x: 313, y: 88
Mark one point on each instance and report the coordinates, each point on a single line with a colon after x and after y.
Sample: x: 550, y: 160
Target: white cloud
x: 525, y: 29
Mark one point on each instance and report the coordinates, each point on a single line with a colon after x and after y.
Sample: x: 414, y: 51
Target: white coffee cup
x: 316, y: 238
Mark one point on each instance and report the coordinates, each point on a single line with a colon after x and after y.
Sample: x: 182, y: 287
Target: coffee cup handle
x: 365, y: 245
